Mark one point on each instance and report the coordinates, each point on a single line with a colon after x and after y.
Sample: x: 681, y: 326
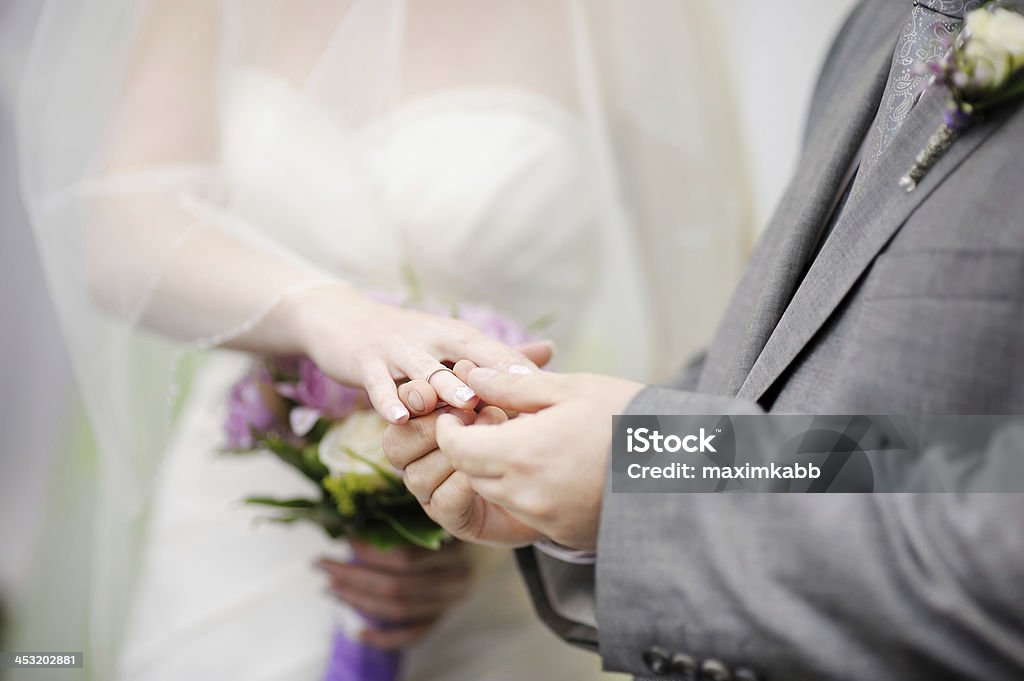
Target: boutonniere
x: 983, y: 69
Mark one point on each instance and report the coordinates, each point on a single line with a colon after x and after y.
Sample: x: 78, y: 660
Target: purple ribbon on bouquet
x: 352, y: 660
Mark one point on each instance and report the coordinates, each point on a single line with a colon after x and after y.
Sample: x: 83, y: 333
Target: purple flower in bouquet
x: 253, y: 409
x: 318, y: 395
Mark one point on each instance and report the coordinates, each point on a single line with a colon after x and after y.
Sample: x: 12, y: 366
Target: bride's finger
x: 452, y: 390
x: 380, y: 387
x: 487, y: 352
x: 418, y: 396
x: 448, y: 388
x: 539, y: 352
x: 462, y: 369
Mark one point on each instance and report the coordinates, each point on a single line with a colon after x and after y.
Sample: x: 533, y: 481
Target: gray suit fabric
x: 912, y: 306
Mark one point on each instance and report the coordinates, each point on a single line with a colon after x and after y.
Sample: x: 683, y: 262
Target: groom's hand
x: 546, y: 468
x: 445, y: 494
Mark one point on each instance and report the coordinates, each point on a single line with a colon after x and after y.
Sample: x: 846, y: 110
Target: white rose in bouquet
x: 352, y: 452
x: 355, y: 445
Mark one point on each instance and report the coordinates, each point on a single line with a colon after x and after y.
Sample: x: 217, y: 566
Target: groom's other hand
x: 546, y: 468
x: 445, y: 494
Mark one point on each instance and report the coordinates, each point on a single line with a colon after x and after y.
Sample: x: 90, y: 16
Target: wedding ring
x: 463, y: 393
x: 437, y: 371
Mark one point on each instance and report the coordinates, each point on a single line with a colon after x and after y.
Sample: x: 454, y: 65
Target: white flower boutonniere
x: 983, y: 69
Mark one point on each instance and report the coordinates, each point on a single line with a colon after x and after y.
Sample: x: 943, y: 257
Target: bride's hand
x: 421, y: 398
x: 407, y: 590
x: 366, y: 343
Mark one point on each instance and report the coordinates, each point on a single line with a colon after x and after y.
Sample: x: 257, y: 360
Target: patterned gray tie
x: 925, y: 38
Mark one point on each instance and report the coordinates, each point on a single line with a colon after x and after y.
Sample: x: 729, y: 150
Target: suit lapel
x: 871, y: 218
x: 793, y: 233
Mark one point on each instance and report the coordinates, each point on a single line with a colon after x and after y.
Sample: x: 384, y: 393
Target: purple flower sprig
x: 316, y: 396
x: 285, y: 398
x: 255, y: 410
x: 981, y: 70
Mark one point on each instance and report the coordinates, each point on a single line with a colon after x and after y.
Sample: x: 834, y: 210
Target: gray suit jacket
x: 913, y: 306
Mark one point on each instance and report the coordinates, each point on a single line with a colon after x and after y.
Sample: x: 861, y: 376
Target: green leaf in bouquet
x: 380, y: 535
x: 352, y: 493
x: 305, y: 510
x: 402, y: 497
x: 388, y: 534
x: 387, y: 475
x: 305, y: 460
x: 412, y: 523
x: 279, y: 519
x: 334, y: 531
x: 421, y: 531
x: 281, y: 503
x: 318, y: 431
x: 311, y: 462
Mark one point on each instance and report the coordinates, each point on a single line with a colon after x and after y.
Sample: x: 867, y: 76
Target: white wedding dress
x: 481, y: 192
x: 547, y: 158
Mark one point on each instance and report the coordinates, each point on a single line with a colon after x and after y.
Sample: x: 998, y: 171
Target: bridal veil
x: 121, y: 135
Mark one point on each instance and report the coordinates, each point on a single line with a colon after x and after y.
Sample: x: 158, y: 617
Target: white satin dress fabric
x: 486, y: 196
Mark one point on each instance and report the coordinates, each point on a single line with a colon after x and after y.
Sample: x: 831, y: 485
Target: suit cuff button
x: 657, y: 660
x: 714, y: 670
x: 683, y: 667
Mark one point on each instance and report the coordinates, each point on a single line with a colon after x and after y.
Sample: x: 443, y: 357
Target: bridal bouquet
x: 329, y: 433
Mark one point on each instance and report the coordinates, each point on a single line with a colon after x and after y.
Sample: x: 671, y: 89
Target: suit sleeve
x: 563, y: 593
x: 689, y: 376
x: 884, y: 586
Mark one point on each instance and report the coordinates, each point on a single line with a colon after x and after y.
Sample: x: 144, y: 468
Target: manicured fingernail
x: 397, y: 412
x: 415, y: 401
x: 464, y: 393
x: 519, y: 369
x: 482, y: 374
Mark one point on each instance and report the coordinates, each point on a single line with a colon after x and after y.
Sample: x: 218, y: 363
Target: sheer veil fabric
x: 567, y: 160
